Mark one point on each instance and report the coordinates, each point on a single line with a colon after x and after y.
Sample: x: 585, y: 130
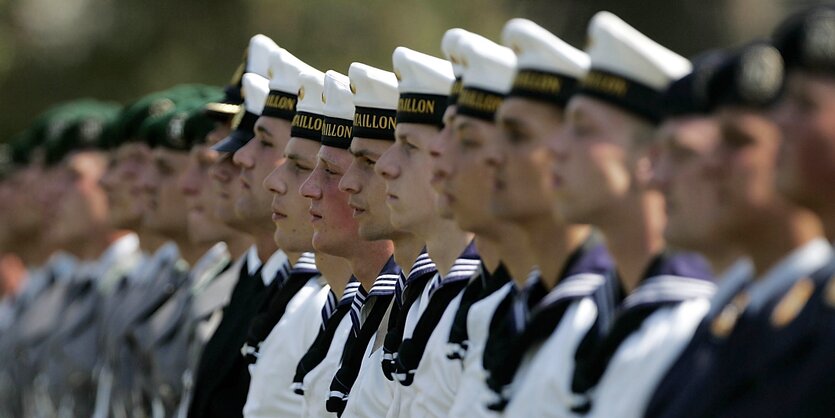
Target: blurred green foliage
x: 56, y: 50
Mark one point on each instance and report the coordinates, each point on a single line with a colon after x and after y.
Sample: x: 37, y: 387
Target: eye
x: 266, y: 144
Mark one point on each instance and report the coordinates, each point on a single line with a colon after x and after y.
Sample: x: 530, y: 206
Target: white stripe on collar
x: 253, y: 262
x: 799, y: 263
x: 276, y: 261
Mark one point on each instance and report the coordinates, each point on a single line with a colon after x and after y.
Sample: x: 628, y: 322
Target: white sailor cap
x: 627, y: 68
x: 375, y: 101
x: 451, y: 47
x: 309, y: 118
x: 337, y: 130
x: 488, y: 76
x: 258, y: 55
x: 284, y: 84
x: 255, y: 89
x: 548, y: 68
x: 424, y: 85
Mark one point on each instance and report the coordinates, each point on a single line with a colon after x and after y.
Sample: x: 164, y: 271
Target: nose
x: 189, y: 183
x: 311, y: 188
x: 386, y: 166
x: 349, y: 183
x: 273, y: 182
x: 245, y: 157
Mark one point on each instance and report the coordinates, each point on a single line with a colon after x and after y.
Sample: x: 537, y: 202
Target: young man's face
x: 290, y: 210
x: 439, y: 150
x: 806, y: 116
x: 746, y: 158
x: 334, y: 227
x: 468, y: 180
x: 367, y: 190
x: 597, y: 154
x: 203, y: 226
x: 257, y: 159
x: 165, y: 211
x: 121, y: 184
x: 522, y: 188
x: 406, y: 167
x: 82, y: 205
x: 685, y: 171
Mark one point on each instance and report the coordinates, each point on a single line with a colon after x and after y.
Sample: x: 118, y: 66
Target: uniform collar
x: 464, y: 267
x: 672, y: 277
x: 386, y: 279
x: 277, y: 263
x: 253, y: 262
x: 209, y: 265
x: 305, y: 264
x: 801, y: 262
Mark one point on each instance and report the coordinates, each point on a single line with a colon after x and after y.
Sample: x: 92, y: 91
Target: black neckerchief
x: 319, y: 349
x: 584, y: 272
x: 670, y: 279
x: 481, y: 286
x: 288, y: 283
x: 377, y: 304
x: 442, y: 291
x: 422, y: 271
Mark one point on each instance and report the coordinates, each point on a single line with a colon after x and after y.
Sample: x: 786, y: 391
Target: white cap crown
x: 255, y: 89
x: 421, y: 73
x: 487, y: 65
x: 284, y: 71
x: 337, y: 97
x: 618, y: 48
x: 311, y: 89
x: 538, y: 49
x: 258, y: 55
x: 373, y: 87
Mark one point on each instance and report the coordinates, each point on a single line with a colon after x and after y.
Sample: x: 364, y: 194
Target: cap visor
x: 235, y: 141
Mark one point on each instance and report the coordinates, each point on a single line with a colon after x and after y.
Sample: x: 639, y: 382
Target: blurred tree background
x: 54, y: 50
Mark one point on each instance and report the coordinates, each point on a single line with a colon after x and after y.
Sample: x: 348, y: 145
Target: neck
x: 489, y: 251
x: 237, y: 244
x: 192, y: 252
x: 634, y: 235
x: 552, y: 243
x: 149, y: 241
x: 335, y: 270
x: 514, y: 253
x: 368, y: 260
x: 721, y: 257
x: 446, y: 244
x: 827, y: 216
x: 777, y: 235
x: 265, y: 246
x: 406, y: 250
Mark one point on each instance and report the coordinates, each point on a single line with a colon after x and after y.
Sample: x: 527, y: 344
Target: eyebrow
x: 358, y: 153
x: 263, y: 130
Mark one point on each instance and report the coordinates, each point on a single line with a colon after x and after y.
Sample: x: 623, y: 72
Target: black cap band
x: 631, y: 95
x: 280, y: 105
x: 425, y: 109
x: 544, y: 86
x: 308, y: 126
x: 455, y: 91
x: 373, y: 123
x: 246, y: 122
x: 479, y: 103
x: 337, y: 132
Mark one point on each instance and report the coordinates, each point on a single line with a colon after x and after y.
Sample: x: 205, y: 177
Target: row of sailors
x: 505, y: 250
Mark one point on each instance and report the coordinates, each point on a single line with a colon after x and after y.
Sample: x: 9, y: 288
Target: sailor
x: 375, y: 102
x: 335, y: 232
x: 221, y: 391
x: 423, y: 84
x: 662, y: 294
x: 320, y: 361
x: 551, y: 315
x: 282, y: 334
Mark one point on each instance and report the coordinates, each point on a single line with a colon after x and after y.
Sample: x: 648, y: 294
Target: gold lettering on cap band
x: 337, y: 131
x: 281, y: 103
x: 371, y: 121
x: 304, y: 121
x: 539, y: 82
x: 415, y: 105
x: 606, y: 83
x: 480, y: 101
